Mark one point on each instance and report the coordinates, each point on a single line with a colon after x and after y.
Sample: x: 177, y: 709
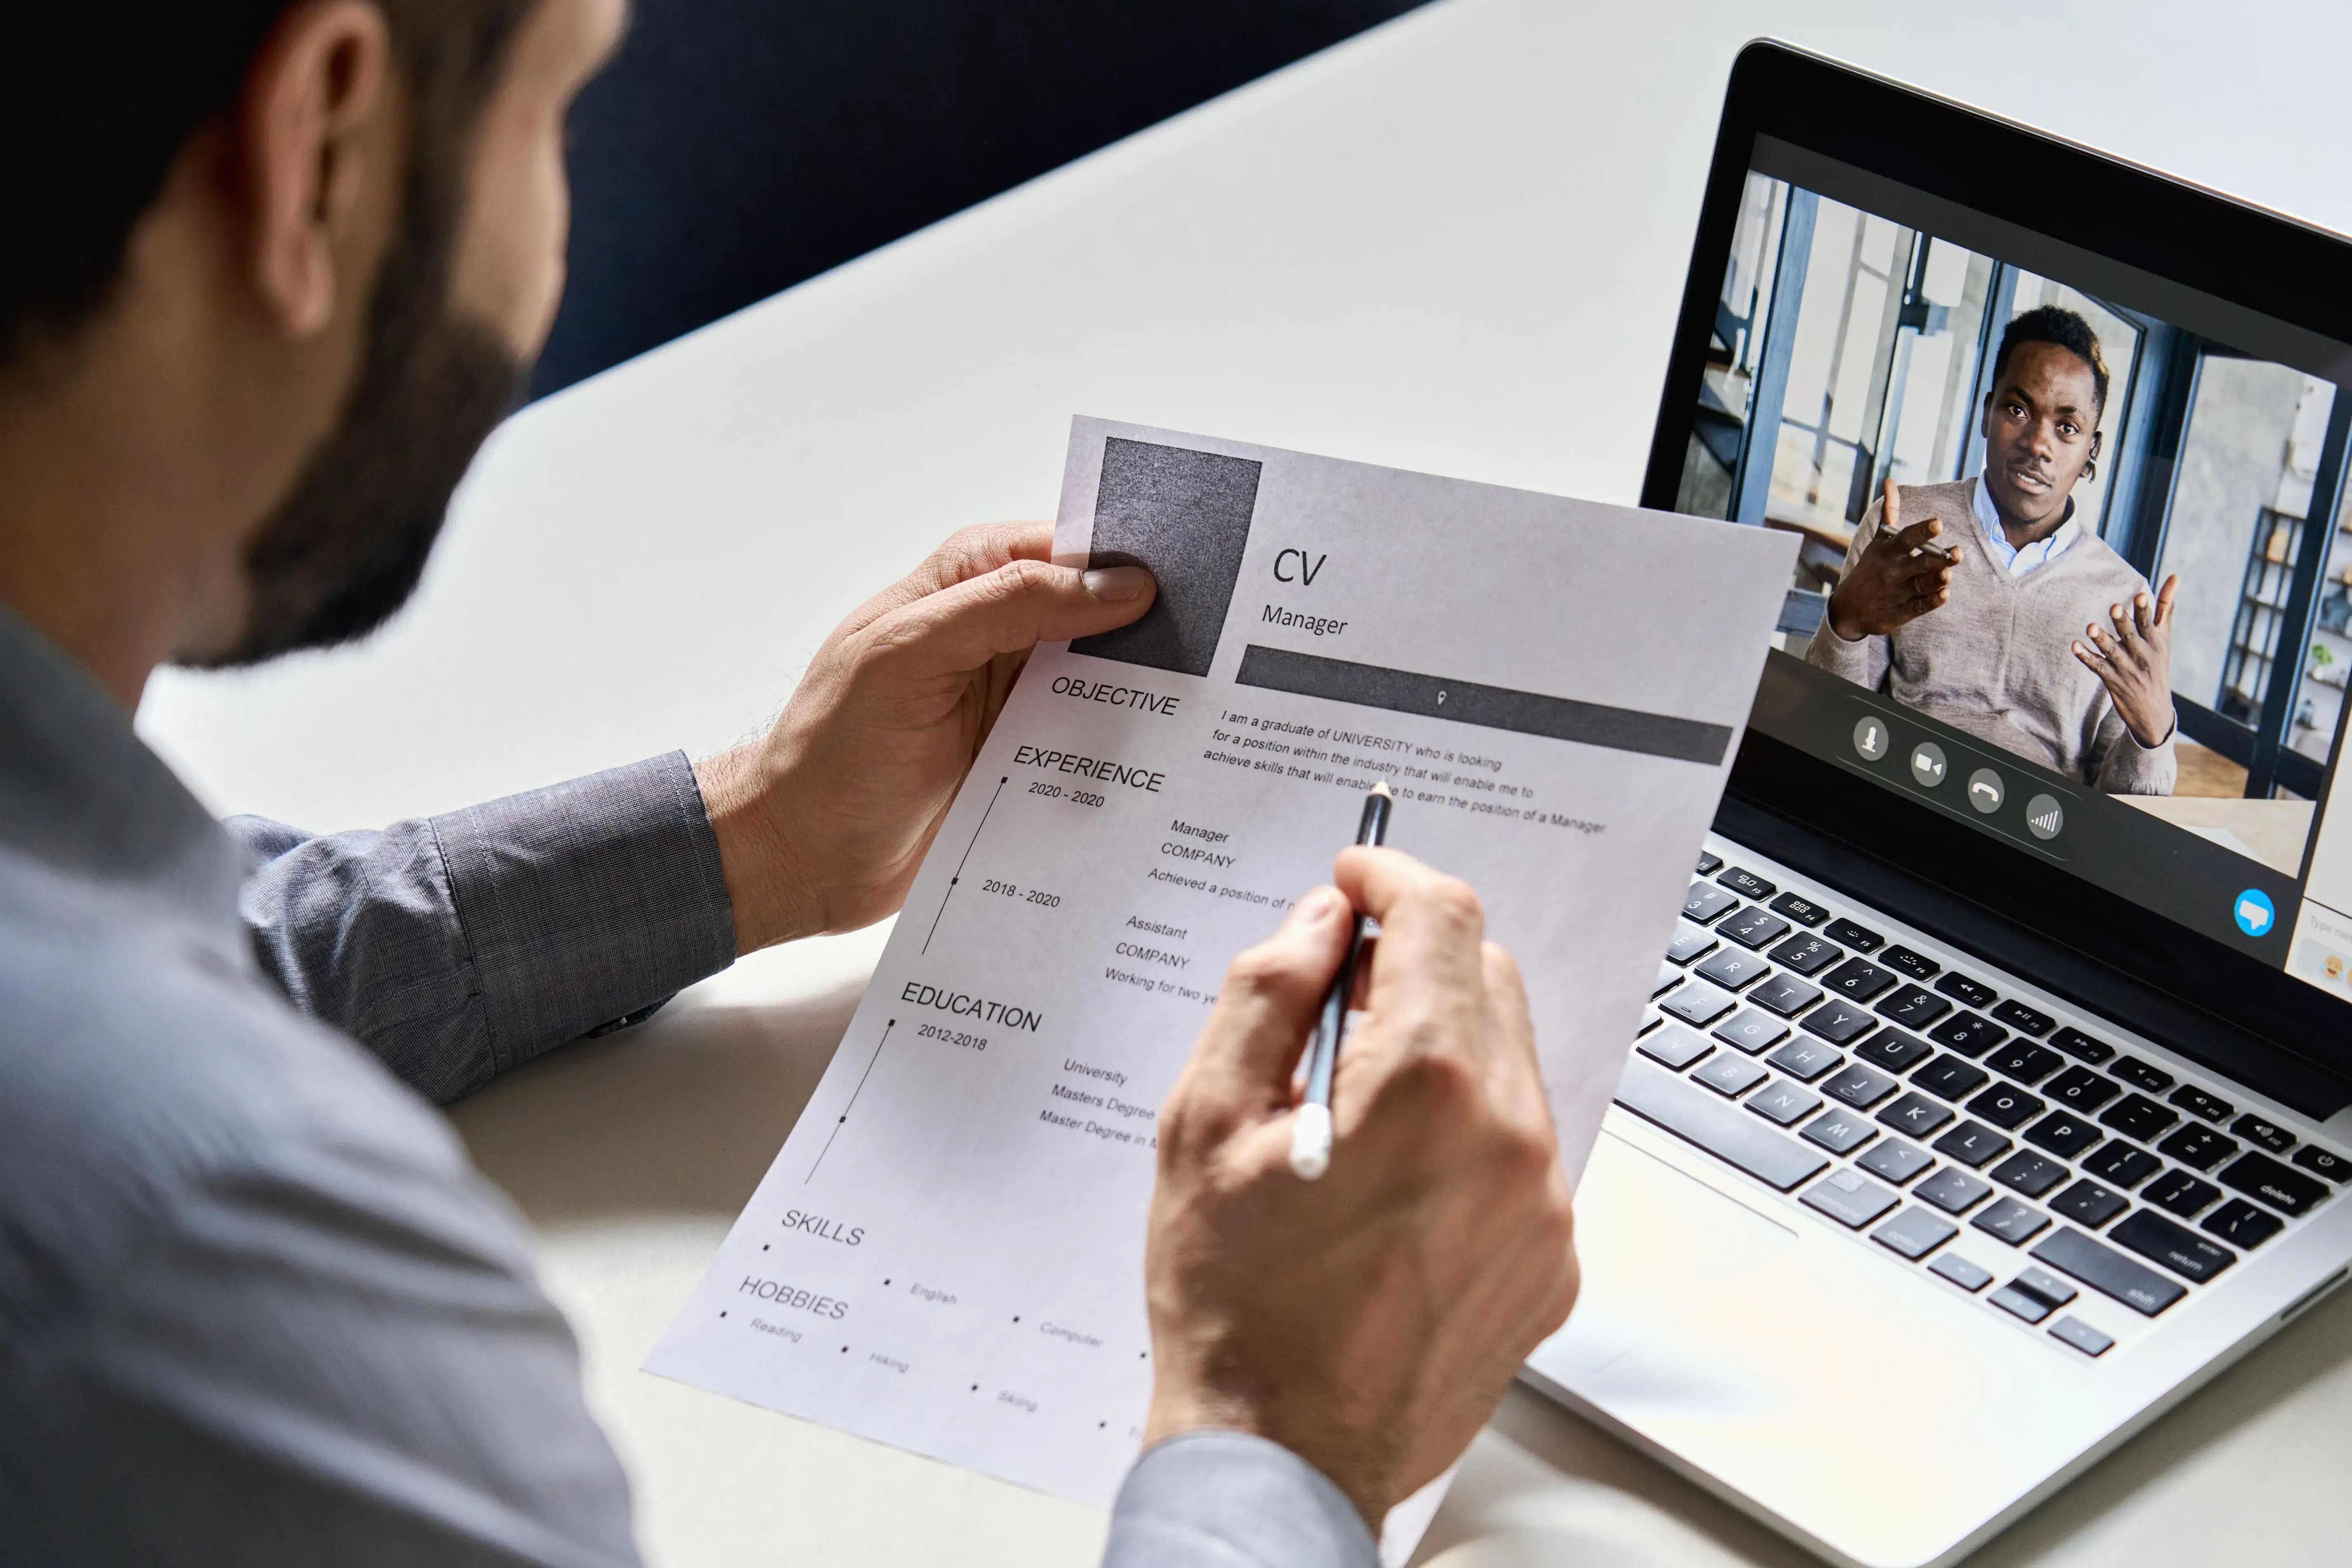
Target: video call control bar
x: 1490, y: 707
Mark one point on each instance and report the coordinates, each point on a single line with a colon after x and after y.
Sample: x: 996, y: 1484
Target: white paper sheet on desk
x: 948, y: 1254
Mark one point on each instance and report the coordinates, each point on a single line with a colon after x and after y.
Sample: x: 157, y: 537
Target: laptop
x: 1994, y: 1092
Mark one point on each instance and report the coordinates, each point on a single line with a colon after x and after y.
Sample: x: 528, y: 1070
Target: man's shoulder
x: 141, y: 1065
x: 2093, y: 556
x: 1953, y: 498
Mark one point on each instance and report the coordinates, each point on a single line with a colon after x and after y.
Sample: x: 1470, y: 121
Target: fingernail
x: 1317, y: 907
x: 1118, y: 584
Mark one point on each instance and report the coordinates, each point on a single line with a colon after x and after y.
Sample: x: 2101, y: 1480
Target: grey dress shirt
x: 256, y: 1306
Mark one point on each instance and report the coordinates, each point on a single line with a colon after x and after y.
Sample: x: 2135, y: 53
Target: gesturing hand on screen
x: 1897, y: 579
x: 1370, y: 1321
x: 2134, y: 660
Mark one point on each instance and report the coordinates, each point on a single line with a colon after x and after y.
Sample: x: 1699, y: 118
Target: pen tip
x: 1381, y: 788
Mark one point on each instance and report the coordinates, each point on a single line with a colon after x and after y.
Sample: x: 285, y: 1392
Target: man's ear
x: 2096, y: 435
x: 312, y: 131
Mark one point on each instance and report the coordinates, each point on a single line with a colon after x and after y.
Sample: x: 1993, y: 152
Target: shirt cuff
x: 588, y: 902
x: 1226, y: 1500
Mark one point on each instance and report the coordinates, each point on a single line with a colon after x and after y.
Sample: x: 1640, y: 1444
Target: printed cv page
x: 948, y: 1254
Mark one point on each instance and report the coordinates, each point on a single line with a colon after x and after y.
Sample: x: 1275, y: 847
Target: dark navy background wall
x: 738, y: 146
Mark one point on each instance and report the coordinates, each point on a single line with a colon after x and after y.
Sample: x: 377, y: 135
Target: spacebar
x: 1720, y: 1128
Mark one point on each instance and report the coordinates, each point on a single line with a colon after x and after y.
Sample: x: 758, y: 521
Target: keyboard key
x: 1917, y: 965
x: 1915, y: 1114
x: 1674, y: 1046
x: 1747, y: 884
x: 1689, y: 942
x: 2010, y: 1221
x: 2178, y: 1192
x: 1785, y: 995
x: 1960, y: 1271
x: 2196, y: 1102
x: 1915, y: 1233
x: 1949, y: 1078
x: 1969, y: 1034
x: 2138, y: 1115
x: 2108, y: 1272
x: 2198, y: 1148
x: 1708, y: 865
x: 2121, y: 1165
x: 1848, y: 1198
x: 1806, y: 954
x: 2080, y: 1089
x: 1705, y: 900
x: 1731, y: 968
x: 1839, y: 1131
x: 2089, y: 1205
x: 1858, y: 980
x: 1784, y: 1103
x: 2241, y: 1225
x: 1896, y: 1161
x: 1912, y: 1007
x: 1968, y: 992
x: 2082, y: 1336
x: 1725, y: 1132
x: 1805, y: 1059
x: 2029, y: 1174
x: 1733, y: 1076
x: 1859, y: 1086
x: 1668, y: 978
x: 1752, y: 927
x: 1698, y: 1003
x: 2024, y: 1061
x: 2063, y: 1133
x: 2139, y: 1075
x: 2081, y: 1047
x: 2005, y: 1106
x: 2263, y: 1178
x: 1839, y: 1021
x: 2319, y: 1161
x: 1890, y: 1048
x: 2269, y: 1134
x: 2030, y: 1307
x: 1862, y: 939
x: 1802, y: 911
x: 1954, y: 1192
x: 1751, y: 1031
x: 2048, y: 1285
x: 2172, y: 1246
x: 2022, y: 1018
x: 1972, y: 1143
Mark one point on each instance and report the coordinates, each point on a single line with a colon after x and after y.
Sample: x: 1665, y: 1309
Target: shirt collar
x: 79, y: 791
x: 2016, y: 561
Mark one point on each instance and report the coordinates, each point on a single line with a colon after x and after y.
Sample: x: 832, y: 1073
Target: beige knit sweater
x: 1997, y: 661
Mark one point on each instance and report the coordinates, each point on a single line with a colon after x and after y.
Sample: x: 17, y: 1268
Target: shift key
x: 2110, y: 1272
x: 1723, y: 1130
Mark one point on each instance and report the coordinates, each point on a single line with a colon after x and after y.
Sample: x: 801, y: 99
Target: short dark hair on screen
x: 2066, y: 329
x: 96, y: 100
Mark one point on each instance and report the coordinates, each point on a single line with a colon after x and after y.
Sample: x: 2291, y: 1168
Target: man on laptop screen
x: 1987, y: 603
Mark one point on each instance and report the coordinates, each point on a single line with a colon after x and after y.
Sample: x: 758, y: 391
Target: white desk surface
x: 1456, y: 245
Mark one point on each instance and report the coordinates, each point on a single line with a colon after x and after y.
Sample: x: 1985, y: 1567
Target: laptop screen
x: 2109, y: 624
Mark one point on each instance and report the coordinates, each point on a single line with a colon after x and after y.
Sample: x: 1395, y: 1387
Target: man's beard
x: 347, y: 546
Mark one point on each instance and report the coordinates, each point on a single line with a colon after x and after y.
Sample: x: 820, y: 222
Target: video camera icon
x: 1927, y: 764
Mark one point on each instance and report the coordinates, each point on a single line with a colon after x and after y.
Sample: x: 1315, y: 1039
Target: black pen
x: 1311, y: 1135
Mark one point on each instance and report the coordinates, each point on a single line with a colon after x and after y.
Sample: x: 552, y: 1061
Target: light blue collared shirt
x: 2017, y: 562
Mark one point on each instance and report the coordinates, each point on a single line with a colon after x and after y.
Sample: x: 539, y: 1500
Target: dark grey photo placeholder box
x: 1185, y: 515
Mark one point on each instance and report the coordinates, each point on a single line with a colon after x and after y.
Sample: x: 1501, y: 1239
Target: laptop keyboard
x: 1913, y: 1102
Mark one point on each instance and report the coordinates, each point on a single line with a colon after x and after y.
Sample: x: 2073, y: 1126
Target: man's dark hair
x: 96, y: 100
x: 2066, y: 329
